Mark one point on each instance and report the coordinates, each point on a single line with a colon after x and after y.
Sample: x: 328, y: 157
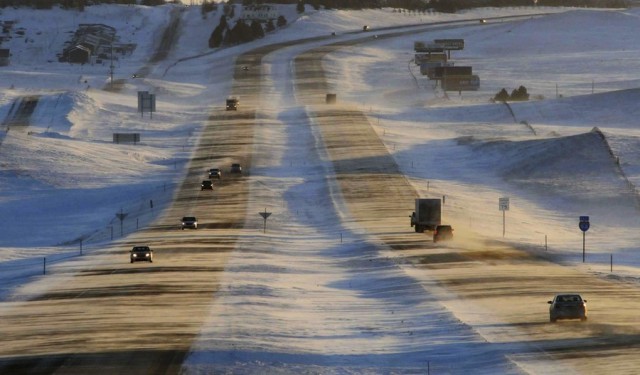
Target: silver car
x: 215, y: 173
x: 567, y: 306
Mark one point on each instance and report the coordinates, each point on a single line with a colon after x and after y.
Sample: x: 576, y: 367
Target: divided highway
x: 99, y: 315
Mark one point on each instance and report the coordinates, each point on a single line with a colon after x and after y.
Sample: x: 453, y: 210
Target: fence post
x: 44, y: 266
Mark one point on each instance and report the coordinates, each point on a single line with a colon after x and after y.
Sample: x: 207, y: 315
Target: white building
x: 261, y: 13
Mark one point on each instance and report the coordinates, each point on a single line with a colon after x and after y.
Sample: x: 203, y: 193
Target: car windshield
x: 188, y: 218
x: 140, y: 249
x: 569, y: 298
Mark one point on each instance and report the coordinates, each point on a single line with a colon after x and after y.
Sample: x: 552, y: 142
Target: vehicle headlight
x: 134, y: 255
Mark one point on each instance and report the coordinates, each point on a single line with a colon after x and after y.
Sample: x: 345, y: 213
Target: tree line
x: 74, y: 4
x: 445, y: 6
x: 241, y: 32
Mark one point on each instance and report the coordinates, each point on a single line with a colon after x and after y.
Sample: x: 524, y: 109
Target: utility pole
x: 111, y: 67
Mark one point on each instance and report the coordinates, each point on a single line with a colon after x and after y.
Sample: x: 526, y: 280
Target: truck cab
x: 232, y: 103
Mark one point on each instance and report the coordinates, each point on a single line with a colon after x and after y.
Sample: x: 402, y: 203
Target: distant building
x: 262, y: 13
x: 92, y: 43
x: 5, y: 55
x: 79, y: 54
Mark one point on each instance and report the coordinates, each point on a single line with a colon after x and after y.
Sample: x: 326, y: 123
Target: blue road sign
x: 584, y: 223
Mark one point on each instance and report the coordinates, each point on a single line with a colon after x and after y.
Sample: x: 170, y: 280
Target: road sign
x: 584, y: 223
x: 146, y: 102
x: 455, y: 44
x: 503, y: 204
x: 265, y: 215
x: 584, y: 227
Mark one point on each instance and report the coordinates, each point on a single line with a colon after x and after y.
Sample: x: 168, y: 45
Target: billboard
x: 126, y: 138
x: 427, y: 68
x: 443, y: 71
x: 450, y: 44
x: 461, y: 83
x: 430, y: 48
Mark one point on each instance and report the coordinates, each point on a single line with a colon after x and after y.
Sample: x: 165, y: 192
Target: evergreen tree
x: 281, y: 21
x: 256, y: 29
x: 217, y: 36
x: 501, y: 96
x: 269, y: 27
x: 300, y: 7
x: 520, y: 94
x: 44, y: 4
x: 240, y: 33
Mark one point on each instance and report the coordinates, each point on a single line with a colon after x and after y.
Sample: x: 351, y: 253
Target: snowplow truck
x: 427, y: 214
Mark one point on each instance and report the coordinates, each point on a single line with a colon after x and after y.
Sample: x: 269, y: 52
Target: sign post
x: 503, y: 205
x: 265, y: 215
x: 121, y: 217
x: 146, y: 102
x: 584, y: 227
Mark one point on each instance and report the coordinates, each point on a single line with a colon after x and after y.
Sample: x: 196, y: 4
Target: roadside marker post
x: 265, y: 215
x: 121, y: 215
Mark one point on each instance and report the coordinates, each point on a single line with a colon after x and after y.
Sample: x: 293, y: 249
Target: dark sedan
x: 141, y: 254
x: 567, y: 306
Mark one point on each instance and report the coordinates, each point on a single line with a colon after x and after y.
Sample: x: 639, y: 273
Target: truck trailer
x: 427, y: 214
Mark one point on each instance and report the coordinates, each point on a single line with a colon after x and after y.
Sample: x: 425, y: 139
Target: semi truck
x: 427, y: 214
x: 232, y: 103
